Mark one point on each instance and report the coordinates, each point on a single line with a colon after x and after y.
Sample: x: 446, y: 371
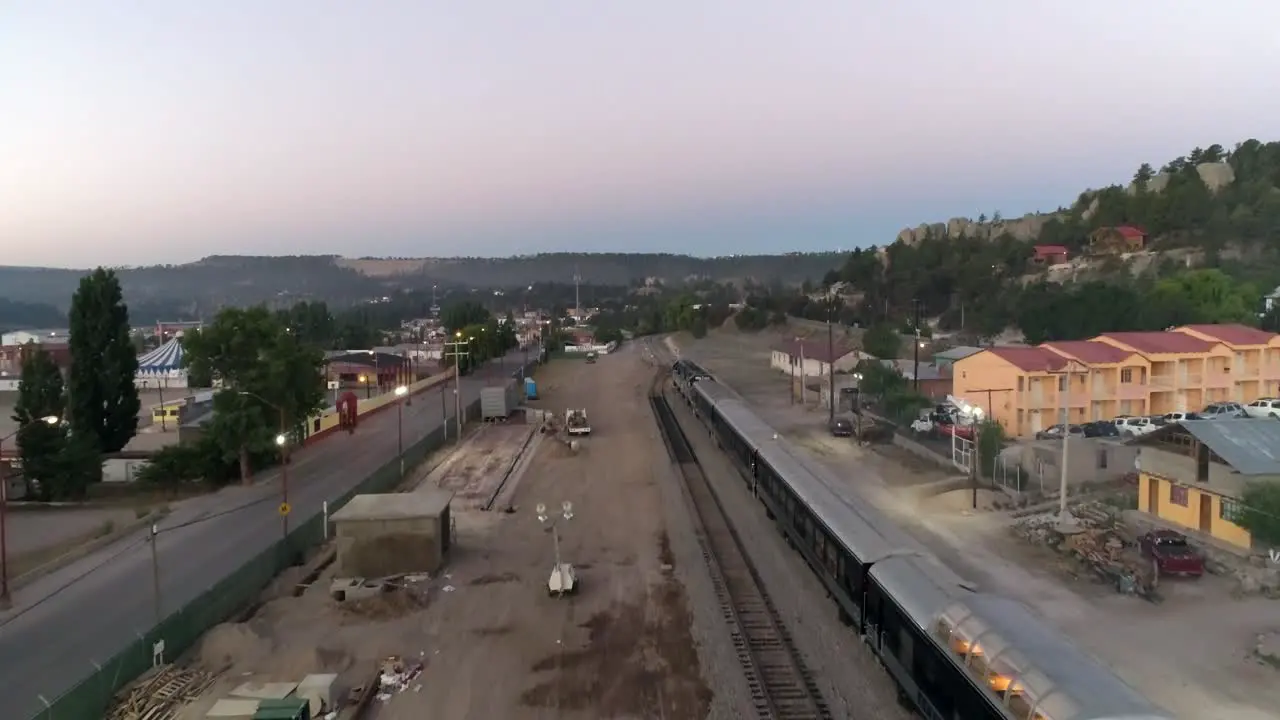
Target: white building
x: 809, y: 357
x: 22, y: 337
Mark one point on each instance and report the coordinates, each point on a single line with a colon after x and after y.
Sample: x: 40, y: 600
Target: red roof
x: 1160, y: 342
x: 814, y: 349
x: 1030, y: 359
x: 1051, y: 250
x: 1130, y: 232
x: 1234, y: 333
x: 1088, y: 351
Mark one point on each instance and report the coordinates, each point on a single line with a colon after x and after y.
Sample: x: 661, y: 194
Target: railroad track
x: 781, y: 687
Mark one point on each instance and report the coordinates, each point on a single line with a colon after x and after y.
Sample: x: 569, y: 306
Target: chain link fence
x: 92, y: 697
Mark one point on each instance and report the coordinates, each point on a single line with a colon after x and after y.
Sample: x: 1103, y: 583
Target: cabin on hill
x: 1119, y: 239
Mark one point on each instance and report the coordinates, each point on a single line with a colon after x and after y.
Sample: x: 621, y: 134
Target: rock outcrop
x: 1025, y: 228
x: 1215, y: 176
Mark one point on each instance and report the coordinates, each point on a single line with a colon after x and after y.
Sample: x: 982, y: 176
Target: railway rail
x: 781, y: 687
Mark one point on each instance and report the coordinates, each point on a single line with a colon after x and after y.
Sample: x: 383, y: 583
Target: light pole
x: 5, y: 601
x: 282, y: 442
x: 566, y: 513
x: 457, y: 343
x: 857, y: 404
x: 401, y: 392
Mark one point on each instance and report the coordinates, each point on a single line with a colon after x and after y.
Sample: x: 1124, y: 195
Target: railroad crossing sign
x: 284, y: 508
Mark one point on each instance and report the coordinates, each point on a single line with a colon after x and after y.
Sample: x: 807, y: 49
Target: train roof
x: 920, y: 584
x: 1068, y: 683
x: 841, y: 519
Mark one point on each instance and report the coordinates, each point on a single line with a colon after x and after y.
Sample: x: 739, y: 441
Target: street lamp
x: 563, y: 579
x: 282, y: 442
x: 401, y: 392
x: 5, y: 600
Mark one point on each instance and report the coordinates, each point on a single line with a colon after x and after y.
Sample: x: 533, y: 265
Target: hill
x: 1197, y: 241
x: 193, y: 289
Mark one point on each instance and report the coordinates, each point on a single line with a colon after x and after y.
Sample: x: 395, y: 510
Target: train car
x: 966, y: 655
x: 898, y: 597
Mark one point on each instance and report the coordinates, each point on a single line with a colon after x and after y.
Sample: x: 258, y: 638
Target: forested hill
x: 195, y: 288
x: 1212, y: 224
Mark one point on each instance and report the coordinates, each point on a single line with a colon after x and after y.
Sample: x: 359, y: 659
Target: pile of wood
x: 161, y: 695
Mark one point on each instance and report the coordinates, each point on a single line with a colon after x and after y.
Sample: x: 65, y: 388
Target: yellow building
x: 1192, y: 474
x: 1028, y: 389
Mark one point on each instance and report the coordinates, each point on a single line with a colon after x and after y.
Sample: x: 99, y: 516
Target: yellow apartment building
x: 1192, y: 474
x: 1028, y: 389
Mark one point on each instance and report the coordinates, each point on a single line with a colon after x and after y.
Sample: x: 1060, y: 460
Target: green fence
x: 91, y: 698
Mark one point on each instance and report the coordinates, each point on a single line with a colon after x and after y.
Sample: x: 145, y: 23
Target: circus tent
x: 165, y: 360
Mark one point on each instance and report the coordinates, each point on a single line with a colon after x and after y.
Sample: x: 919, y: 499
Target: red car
x: 1172, y: 553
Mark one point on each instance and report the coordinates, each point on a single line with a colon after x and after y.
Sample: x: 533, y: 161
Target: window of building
x: 1126, y: 375
x: 1178, y: 495
x: 1229, y: 510
x: 1062, y: 383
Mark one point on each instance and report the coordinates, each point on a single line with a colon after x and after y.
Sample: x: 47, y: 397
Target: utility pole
x: 915, y: 348
x: 975, y: 457
x: 459, y: 342
x: 831, y: 367
x: 155, y: 573
x: 1066, y: 523
x: 577, y: 297
x: 803, y: 399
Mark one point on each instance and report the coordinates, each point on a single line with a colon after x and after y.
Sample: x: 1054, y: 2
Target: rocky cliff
x: 1027, y: 228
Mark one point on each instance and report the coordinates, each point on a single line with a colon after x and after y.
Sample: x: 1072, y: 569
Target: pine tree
x: 104, y: 399
x: 40, y: 398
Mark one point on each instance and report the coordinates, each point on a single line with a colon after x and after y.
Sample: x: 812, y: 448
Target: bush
x: 990, y: 442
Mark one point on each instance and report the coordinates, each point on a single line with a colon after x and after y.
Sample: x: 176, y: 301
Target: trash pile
x: 382, y: 599
x: 1098, y: 547
x: 396, y: 676
x: 163, y: 694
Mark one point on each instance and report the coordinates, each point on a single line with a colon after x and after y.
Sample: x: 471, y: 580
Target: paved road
x: 51, y: 646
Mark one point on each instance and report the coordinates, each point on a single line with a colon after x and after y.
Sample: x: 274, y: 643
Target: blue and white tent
x: 164, y: 360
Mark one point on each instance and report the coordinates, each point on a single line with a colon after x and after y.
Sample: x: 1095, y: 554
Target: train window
x: 1019, y: 704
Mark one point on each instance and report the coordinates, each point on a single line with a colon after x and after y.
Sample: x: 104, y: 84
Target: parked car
x: 1222, y: 411
x: 1263, y: 408
x: 1119, y: 419
x: 1135, y: 426
x: 1179, y: 416
x: 1054, y: 432
x: 1171, y: 553
x: 841, y: 427
x: 1100, y: 429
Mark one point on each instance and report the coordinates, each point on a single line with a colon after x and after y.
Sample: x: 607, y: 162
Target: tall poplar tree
x: 104, y: 400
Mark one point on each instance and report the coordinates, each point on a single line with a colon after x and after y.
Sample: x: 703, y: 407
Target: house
x: 1270, y: 300
x: 1050, y: 254
x: 1193, y: 474
x: 935, y: 382
x: 1187, y: 372
x: 1119, y: 239
x: 12, y: 356
x: 1115, y: 379
x: 370, y: 370
x: 947, y: 358
x: 811, y: 357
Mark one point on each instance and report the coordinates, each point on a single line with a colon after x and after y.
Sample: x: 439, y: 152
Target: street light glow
x: 280, y: 440
x: 402, y: 390
x: 51, y: 419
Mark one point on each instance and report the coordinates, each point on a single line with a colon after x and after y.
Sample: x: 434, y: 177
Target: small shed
x: 394, y: 533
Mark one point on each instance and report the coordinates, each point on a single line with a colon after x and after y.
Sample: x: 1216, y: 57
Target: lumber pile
x: 162, y: 695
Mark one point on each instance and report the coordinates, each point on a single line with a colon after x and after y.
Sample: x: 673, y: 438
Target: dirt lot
x: 1191, y: 653
x: 476, y: 470
x: 632, y: 643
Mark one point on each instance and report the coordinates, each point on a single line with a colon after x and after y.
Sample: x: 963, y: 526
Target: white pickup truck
x: 575, y: 422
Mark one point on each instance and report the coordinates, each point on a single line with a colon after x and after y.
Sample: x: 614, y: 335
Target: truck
x: 1171, y: 554
x: 575, y: 422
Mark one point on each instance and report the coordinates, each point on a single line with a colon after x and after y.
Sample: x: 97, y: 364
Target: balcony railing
x: 1192, y: 380
x: 1246, y: 373
x: 1132, y: 391
x: 1164, y: 382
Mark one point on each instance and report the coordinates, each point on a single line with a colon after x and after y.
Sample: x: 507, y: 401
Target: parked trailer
x: 499, y: 401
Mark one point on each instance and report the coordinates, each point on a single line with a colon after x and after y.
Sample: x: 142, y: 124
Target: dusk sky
x: 162, y: 131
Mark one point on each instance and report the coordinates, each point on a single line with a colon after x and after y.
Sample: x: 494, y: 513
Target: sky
x: 139, y: 132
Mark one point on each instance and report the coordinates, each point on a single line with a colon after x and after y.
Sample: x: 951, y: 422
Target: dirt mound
x: 386, y: 606
x: 233, y: 644
x: 299, y: 661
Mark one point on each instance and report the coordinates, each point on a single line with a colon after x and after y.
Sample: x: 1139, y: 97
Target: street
x: 64, y: 623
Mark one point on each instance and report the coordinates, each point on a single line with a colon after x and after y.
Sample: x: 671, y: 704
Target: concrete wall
x: 377, y: 548
x: 1090, y: 460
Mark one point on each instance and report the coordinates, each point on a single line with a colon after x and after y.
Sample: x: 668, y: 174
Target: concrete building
x: 394, y: 533
x: 1192, y: 474
x: 1089, y: 461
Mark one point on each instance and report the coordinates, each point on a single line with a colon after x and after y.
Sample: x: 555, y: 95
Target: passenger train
x: 954, y: 652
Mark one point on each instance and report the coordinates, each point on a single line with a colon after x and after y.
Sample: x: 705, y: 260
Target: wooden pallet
x: 162, y: 695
